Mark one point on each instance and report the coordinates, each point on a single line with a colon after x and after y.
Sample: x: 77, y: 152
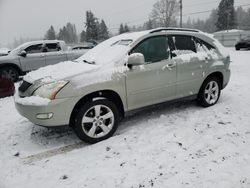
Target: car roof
x: 43, y: 41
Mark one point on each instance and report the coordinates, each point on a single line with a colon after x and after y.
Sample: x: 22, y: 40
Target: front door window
x: 154, y: 49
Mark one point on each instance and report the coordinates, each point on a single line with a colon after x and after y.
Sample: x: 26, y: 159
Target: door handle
x: 42, y: 55
x: 169, y: 66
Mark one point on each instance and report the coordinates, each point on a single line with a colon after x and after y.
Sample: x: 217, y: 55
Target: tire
x: 96, y: 121
x: 210, y: 91
x: 9, y: 73
x: 237, y: 48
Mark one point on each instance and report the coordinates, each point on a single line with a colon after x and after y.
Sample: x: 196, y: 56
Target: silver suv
x: 124, y: 73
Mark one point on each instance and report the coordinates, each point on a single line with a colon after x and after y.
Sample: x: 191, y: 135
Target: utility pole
x: 180, y: 13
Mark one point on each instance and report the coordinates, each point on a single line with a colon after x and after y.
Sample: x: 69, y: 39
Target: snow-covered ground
x: 171, y: 145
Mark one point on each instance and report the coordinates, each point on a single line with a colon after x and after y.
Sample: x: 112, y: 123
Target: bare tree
x: 164, y: 12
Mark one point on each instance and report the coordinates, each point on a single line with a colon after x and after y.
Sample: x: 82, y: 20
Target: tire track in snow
x: 50, y: 153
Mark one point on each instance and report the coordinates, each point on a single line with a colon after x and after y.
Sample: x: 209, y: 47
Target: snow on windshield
x: 112, y: 51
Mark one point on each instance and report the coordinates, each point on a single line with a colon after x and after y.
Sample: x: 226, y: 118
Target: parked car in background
x: 125, y: 73
x: 33, y: 55
x: 7, y: 87
x: 243, y: 43
x: 4, y: 51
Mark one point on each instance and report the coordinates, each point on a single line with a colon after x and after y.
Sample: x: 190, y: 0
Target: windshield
x: 111, y: 51
x: 18, y: 49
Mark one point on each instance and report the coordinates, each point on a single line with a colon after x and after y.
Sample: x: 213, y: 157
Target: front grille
x: 24, y: 86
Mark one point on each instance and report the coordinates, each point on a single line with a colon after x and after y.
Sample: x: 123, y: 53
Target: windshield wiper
x: 92, y: 62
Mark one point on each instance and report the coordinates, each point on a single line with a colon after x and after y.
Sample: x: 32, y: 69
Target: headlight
x: 49, y: 90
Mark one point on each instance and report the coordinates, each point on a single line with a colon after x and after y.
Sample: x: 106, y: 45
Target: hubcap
x: 9, y: 74
x: 211, y: 92
x: 98, y: 121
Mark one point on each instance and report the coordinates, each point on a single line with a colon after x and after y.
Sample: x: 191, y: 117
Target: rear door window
x: 202, y: 44
x: 53, y: 47
x: 183, y: 44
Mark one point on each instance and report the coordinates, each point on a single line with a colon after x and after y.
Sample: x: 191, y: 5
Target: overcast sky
x: 32, y: 18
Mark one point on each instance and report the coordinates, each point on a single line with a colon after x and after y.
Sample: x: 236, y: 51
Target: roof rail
x: 173, y: 29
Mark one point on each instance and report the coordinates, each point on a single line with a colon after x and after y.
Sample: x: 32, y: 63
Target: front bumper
x: 60, y: 108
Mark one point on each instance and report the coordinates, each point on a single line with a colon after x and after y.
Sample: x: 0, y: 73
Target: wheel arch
x: 218, y: 75
x: 13, y: 66
x: 107, y: 94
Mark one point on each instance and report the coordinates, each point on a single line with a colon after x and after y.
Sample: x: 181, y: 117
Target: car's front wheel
x: 9, y: 73
x: 96, y: 121
x: 210, y: 92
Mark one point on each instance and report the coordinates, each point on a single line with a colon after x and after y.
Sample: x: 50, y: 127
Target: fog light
x: 44, y: 116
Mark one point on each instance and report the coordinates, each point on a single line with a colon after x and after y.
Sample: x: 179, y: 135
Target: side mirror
x: 23, y: 53
x: 136, y: 59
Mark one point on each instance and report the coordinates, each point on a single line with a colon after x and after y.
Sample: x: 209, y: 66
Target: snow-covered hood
x: 60, y: 71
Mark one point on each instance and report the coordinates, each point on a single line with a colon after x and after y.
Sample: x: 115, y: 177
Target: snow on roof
x: 229, y: 31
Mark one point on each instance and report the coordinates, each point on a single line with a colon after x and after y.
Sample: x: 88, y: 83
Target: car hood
x: 78, y: 73
x: 7, y: 58
x: 61, y: 71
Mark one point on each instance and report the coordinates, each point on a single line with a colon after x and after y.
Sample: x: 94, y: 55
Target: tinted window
x: 154, y: 49
x: 183, y: 42
x: 34, y: 49
x: 52, y: 47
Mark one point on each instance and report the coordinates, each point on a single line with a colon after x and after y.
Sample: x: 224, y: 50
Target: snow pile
x: 32, y: 101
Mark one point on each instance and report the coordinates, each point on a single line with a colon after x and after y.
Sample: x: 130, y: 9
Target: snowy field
x: 172, y: 145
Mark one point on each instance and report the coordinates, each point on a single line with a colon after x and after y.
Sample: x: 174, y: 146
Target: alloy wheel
x: 98, y: 121
x: 211, y: 92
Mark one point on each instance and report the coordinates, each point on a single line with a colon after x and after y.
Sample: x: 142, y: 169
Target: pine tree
x: 91, y: 26
x: 149, y: 24
x: 83, y: 36
x: 103, y: 31
x: 126, y: 28
x: 50, y: 34
x: 226, y: 15
x: 121, y: 29
x: 68, y: 33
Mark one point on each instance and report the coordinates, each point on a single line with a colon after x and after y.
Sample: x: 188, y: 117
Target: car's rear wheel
x: 210, y: 92
x: 237, y: 48
x: 96, y: 121
x: 9, y: 73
